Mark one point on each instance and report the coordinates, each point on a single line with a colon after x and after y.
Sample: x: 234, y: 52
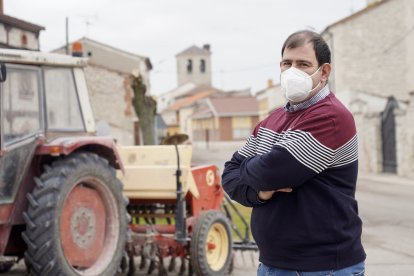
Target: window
x: 23, y: 39
x: 241, y: 127
x: 21, y: 104
x: 241, y: 133
x: 62, y: 104
x: 202, y: 66
x: 189, y: 66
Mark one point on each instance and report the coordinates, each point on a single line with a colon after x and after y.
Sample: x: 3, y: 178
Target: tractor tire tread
x: 40, y: 255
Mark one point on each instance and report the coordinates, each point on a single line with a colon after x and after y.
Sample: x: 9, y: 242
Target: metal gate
x: 389, y: 155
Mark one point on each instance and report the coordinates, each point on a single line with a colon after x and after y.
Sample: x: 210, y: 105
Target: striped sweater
x: 314, y: 150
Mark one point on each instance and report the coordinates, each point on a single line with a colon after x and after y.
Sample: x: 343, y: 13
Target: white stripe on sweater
x: 303, y: 147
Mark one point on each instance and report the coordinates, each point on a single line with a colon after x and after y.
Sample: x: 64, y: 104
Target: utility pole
x: 67, y: 35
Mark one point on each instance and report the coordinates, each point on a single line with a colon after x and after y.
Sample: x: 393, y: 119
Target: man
x: 308, y: 150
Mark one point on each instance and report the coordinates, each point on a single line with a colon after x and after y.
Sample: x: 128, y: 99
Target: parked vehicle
x: 69, y: 205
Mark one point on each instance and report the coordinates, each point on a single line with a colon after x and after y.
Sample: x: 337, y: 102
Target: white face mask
x: 296, y: 84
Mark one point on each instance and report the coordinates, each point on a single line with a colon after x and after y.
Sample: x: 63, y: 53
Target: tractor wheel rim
x: 217, y: 246
x: 89, y: 227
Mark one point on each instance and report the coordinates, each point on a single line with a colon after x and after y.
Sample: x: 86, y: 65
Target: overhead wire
x: 245, y: 69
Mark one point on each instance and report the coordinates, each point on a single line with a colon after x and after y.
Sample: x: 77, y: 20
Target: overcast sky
x: 245, y: 35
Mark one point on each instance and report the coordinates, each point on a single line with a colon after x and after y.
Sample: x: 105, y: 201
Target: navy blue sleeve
x: 274, y: 170
x: 237, y: 189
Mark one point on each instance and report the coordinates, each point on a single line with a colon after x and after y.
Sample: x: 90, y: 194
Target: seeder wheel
x: 211, y: 244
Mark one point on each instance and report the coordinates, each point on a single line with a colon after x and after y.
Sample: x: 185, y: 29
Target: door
x: 389, y: 155
x: 21, y: 123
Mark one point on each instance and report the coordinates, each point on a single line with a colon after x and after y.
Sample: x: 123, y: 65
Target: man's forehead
x: 305, y: 52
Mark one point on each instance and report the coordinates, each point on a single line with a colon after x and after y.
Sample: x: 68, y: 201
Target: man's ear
x: 326, y: 71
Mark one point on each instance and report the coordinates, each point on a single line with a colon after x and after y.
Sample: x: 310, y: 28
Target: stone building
x: 193, y: 70
x: 107, y: 76
x: 373, y: 69
x: 18, y: 34
x: 194, y: 65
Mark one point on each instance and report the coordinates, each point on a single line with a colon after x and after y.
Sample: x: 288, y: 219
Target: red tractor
x: 69, y: 206
x: 61, y: 204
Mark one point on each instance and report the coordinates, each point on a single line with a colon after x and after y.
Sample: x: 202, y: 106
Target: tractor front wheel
x: 76, y: 221
x: 211, y: 244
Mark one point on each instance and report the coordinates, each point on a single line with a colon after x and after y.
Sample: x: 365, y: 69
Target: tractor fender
x: 101, y: 145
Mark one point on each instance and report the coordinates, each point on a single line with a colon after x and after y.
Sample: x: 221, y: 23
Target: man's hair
x: 300, y: 38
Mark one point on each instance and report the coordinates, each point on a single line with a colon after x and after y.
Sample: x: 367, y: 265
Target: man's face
x: 304, y: 59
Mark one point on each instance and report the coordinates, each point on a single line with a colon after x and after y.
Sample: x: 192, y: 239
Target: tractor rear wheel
x: 76, y: 221
x: 211, y: 244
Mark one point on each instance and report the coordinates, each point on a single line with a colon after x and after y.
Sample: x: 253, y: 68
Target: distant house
x: 164, y: 100
x: 269, y: 99
x: 109, y: 86
x: 18, y: 34
x: 263, y: 103
x: 373, y: 69
x: 225, y: 119
x: 178, y: 116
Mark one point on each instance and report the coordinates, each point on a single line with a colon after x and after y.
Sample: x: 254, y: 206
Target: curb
x: 386, y: 178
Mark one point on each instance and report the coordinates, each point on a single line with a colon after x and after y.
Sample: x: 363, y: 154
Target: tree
x: 145, y: 108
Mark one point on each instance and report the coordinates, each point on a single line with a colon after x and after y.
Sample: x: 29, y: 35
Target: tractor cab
x: 39, y: 100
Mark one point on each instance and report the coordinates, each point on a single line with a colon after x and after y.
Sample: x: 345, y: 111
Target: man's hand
x: 266, y: 195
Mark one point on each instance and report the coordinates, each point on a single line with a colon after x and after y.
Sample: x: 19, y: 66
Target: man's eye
x: 285, y: 63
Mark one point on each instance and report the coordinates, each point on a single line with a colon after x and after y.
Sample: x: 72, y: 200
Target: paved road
x: 386, y: 205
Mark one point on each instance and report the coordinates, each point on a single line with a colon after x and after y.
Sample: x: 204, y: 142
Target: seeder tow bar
x: 244, y: 242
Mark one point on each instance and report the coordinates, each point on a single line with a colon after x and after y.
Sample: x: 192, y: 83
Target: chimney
x: 1, y: 7
x: 371, y: 2
x: 269, y: 83
x: 205, y: 46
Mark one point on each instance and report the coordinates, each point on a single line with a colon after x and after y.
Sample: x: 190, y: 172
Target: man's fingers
x: 285, y: 190
x: 266, y: 195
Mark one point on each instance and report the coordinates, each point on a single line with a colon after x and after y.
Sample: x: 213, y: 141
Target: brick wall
x: 225, y: 129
